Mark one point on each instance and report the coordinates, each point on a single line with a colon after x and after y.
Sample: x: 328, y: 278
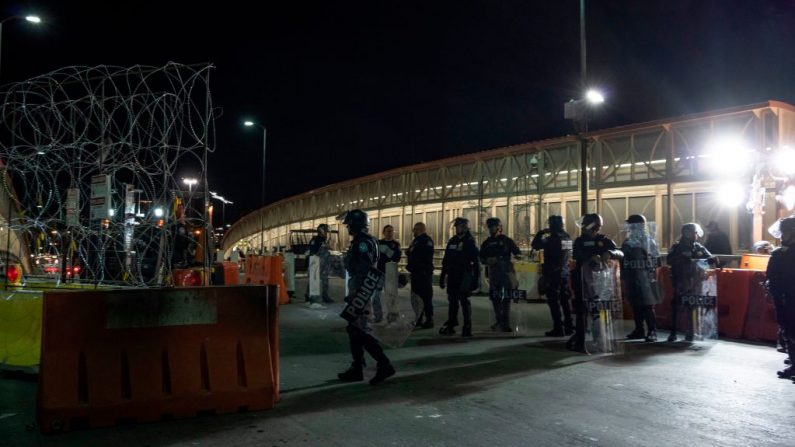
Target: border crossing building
x: 714, y: 166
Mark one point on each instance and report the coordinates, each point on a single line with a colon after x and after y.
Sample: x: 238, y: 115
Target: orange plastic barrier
x: 267, y: 270
x: 760, y: 323
x: 276, y: 278
x: 734, y: 288
x: 226, y: 273
x: 754, y: 262
x: 111, y: 356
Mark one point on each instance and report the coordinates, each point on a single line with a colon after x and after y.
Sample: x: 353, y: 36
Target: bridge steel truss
x: 633, y: 168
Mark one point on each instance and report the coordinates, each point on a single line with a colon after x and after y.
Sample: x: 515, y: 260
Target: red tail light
x: 12, y: 273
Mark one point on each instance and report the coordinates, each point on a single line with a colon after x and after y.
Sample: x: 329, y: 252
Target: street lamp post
x: 31, y: 19
x: 262, y: 195
x: 223, y: 205
x: 190, y: 182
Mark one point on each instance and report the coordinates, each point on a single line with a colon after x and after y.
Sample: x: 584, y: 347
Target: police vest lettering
x: 356, y: 306
x: 388, y: 252
x: 567, y: 244
x: 698, y: 300
x: 600, y: 305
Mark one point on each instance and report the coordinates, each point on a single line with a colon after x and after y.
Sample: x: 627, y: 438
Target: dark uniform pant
x: 421, y: 285
x: 454, y: 299
x: 502, y: 306
x: 558, y: 299
x: 362, y: 341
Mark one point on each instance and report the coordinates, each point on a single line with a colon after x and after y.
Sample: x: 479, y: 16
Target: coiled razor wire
x: 130, y: 131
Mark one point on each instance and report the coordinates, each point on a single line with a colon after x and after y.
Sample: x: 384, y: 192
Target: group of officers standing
x: 461, y: 272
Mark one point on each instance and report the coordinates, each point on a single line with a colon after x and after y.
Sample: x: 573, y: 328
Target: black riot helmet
x: 636, y: 219
x: 322, y: 227
x: 781, y: 226
x: 492, y: 222
x: 587, y: 221
x: 460, y: 221
x: 356, y: 220
x: 555, y: 222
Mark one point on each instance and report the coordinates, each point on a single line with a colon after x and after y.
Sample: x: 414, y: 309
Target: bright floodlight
x: 784, y: 161
x: 158, y: 212
x: 33, y: 19
x: 729, y: 155
x: 190, y: 181
x: 248, y: 123
x: 731, y: 194
x: 594, y: 97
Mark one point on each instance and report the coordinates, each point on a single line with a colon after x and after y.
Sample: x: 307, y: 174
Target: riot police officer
x: 319, y: 246
x: 781, y: 284
x: 361, y: 256
x: 461, y: 275
x: 420, y: 264
x: 496, y: 253
x: 595, y: 247
x: 554, y: 283
x: 680, y: 257
x: 639, y: 272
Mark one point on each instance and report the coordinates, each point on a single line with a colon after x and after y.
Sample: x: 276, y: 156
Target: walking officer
x: 557, y: 245
x: 461, y: 275
x: 496, y: 252
x: 420, y: 265
x: 361, y: 256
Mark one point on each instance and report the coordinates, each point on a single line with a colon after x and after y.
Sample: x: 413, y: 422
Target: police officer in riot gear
x: 361, y: 256
x: 781, y: 284
x: 496, y: 253
x: 319, y: 246
x: 590, y: 247
x: 554, y: 282
x: 639, y: 272
x: 420, y: 264
x: 389, y: 250
x: 461, y: 275
x: 680, y: 257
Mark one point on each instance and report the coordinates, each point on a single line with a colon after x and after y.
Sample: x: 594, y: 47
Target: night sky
x: 351, y: 88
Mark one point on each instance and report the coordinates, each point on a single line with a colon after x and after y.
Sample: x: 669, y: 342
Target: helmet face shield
x: 781, y: 226
x: 589, y: 221
x: 696, y: 228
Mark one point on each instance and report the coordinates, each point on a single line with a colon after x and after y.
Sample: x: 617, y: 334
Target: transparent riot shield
x: 392, y: 318
x: 509, y: 311
x: 527, y: 275
x: 315, y: 287
x: 697, y: 303
x: 289, y: 273
x: 639, y: 266
x: 603, y: 312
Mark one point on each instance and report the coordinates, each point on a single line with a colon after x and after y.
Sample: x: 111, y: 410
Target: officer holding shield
x: 319, y: 246
x: 639, y: 272
x: 361, y: 256
x: 680, y: 257
x: 389, y: 251
x: 590, y: 248
x: 496, y: 253
x: 461, y: 275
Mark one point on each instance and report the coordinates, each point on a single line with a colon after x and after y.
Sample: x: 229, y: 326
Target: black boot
x: 466, y: 331
x: 786, y: 373
x: 447, y: 329
x: 636, y: 334
x: 557, y: 332
x: 382, y: 373
x: 352, y: 374
x: 427, y: 324
x: 651, y: 336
